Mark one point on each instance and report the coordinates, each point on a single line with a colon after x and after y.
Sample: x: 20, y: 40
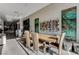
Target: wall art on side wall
x: 69, y: 23
x: 51, y: 25
x: 55, y: 25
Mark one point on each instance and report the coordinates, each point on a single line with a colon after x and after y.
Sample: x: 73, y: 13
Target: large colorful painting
x: 51, y: 25
x: 69, y: 23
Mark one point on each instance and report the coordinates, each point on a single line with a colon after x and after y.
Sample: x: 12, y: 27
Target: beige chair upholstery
x: 61, y: 43
x: 35, y: 41
x: 58, y: 49
x: 27, y: 39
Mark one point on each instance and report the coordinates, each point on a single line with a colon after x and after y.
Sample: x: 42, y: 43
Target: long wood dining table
x: 46, y: 38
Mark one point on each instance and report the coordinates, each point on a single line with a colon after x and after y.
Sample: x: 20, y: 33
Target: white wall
x: 2, y: 25
x: 53, y: 11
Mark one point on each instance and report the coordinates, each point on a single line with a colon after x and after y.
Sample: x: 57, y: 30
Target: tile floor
x: 13, y: 48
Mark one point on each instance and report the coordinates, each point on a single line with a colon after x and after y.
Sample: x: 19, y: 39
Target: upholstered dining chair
x: 58, y: 48
x: 27, y: 39
x: 35, y: 41
x: 36, y: 44
x: 61, y: 43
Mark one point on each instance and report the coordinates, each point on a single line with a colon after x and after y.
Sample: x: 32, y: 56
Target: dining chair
x: 36, y: 43
x: 58, y: 48
x: 27, y: 39
x: 61, y: 43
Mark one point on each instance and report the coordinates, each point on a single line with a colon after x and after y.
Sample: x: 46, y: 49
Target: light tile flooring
x: 1, y: 49
x: 13, y: 48
x: 55, y: 51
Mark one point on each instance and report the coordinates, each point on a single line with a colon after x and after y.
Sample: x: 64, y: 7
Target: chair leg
x: 44, y: 44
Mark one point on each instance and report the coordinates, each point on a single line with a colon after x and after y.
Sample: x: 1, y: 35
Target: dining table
x: 46, y: 38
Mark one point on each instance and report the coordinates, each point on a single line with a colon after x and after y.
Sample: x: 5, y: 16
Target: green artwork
x: 37, y: 25
x: 69, y: 23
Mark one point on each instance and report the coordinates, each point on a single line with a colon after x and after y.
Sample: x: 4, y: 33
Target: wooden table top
x: 47, y: 38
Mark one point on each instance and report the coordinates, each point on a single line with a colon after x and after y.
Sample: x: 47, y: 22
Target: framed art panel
x: 69, y: 17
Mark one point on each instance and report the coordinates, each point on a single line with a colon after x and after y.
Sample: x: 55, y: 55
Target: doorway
x: 37, y: 25
x: 10, y: 29
x: 26, y: 24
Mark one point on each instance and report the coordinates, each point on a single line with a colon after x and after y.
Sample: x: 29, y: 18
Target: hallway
x: 13, y: 48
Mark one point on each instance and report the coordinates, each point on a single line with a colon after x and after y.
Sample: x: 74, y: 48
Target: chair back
x: 61, y: 43
x: 27, y: 39
x: 35, y: 41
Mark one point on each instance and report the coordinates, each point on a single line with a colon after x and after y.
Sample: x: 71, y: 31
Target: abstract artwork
x: 51, y: 25
x: 69, y: 23
x: 55, y: 25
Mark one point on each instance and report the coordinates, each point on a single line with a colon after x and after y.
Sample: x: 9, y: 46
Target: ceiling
x: 11, y: 10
